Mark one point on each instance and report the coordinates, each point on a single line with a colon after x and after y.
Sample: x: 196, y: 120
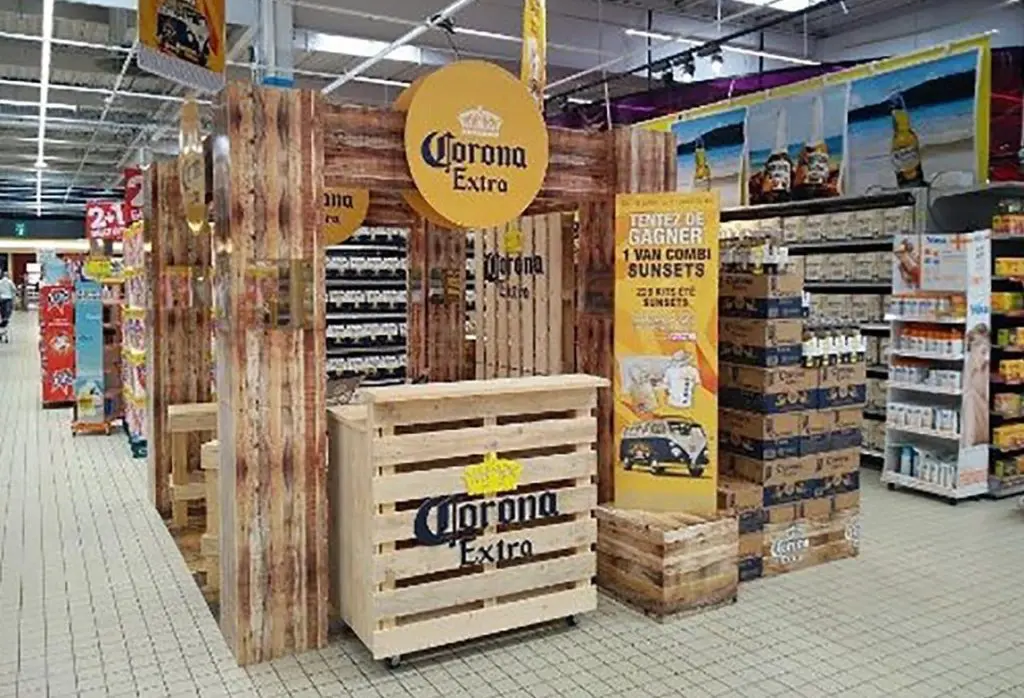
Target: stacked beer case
x: 790, y: 426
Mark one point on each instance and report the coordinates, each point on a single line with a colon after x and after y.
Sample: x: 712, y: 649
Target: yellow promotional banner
x: 533, y: 70
x: 184, y: 41
x: 666, y: 351
x: 344, y: 213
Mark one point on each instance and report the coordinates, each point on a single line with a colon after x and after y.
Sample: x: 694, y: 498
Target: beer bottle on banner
x: 778, y: 169
x: 906, y: 148
x: 701, y: 170
x: 812, y: 170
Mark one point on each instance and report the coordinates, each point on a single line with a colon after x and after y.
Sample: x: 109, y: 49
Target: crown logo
x: 512, y: 241
x: 480, y: 122
x: 492, y: 476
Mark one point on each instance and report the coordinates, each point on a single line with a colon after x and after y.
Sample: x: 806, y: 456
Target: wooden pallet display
x: 399, y: 578
x: 187, y: 423
x: 521, y: 287
x: 209, y: 546
x: 666, y: 564
x: 271, y: 359
x: 180, y: 298
x: 796, y: 545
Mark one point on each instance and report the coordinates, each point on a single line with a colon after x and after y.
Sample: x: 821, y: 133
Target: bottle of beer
x: 906, y: 148
x: 813, y: 167
x: 778, y: 168
x: 701, y: 170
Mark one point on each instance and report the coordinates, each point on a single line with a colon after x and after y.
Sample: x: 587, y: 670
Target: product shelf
x: 926, y: 355
x: 921, y: 431
x: 922, y: 388
x: 913, y: 483
x: 927, y: 321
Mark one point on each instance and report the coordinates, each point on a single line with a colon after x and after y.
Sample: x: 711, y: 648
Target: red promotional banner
x: 133, y: 185
x: 105, y: 220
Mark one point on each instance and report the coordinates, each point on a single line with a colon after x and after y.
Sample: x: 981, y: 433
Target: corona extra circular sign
x: 476, y: 144
x: 344, y: 212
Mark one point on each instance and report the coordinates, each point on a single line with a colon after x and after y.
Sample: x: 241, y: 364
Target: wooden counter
x: 462, y: 509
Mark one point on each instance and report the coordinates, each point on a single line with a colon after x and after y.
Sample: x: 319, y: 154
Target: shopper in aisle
x: 8, y: 292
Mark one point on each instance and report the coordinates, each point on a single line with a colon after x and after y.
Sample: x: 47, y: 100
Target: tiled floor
x: 94, y: 601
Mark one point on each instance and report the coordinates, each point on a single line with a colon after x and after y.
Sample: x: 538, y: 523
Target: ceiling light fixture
x: 26, y: 103
x: 717, y: 63
x: 44, y: 94
x: 658, y: 36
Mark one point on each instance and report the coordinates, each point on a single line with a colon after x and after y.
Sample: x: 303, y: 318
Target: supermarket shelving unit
x: 845, y: 244
x: 366, y: 307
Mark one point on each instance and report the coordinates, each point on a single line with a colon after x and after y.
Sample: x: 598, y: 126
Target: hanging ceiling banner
x: 533, y: 71
x: 184, y: 41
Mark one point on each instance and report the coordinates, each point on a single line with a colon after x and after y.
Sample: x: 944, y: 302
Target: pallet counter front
x: 462, y: 509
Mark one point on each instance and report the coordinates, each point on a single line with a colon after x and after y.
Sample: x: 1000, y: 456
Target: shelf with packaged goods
x: 894, y: 479
x: 874, y: 328
x: 925, y: 355
x: 927, y: 320
x: 1000, y: 488
x: 839, y: 204
x: 922, y: 431
x: 848, y: 286
x: 922, y: 388
x: 366, y: 300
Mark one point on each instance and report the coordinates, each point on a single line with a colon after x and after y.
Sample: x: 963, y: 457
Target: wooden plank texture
x: 178, y: 351
x: 271, y: 361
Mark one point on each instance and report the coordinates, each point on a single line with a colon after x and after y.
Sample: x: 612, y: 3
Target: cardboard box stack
x: 790, y: 429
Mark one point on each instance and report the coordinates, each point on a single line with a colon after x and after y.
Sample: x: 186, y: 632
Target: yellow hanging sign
x: 476, y: 144
x: 344, y: 212
x: 533, y: 67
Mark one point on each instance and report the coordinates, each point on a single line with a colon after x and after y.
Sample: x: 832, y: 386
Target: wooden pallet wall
x: 522, y: 283
x: 179, y: 322
x: 271, y: 371
x: 644, y: 161
x: 436, y: 313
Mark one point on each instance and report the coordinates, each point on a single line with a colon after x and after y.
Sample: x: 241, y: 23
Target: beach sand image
x: 709, y: 154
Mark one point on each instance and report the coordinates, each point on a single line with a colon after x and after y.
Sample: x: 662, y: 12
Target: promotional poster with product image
x: 666, y: 351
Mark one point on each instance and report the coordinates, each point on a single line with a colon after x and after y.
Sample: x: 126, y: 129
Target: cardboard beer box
x: 742, y: 499
x: 767, y: 343
x: 806, y: 542
x: 815, y: 227
x: 845, y: 428
x: 842, y: 385
x: 814, y: 432
x: 764, y: 436
x: 814, y: 267
x: 811, y: 488
x: 767, y: 390
x: 767, y: 296
x: 793, y: 230
x: 840, y: 226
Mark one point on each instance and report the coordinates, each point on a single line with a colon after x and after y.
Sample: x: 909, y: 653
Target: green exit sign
x: 20, y: 229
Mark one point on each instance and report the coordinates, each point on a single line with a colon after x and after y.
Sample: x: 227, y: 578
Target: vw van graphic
x: 661, y: 444
x: 183, y: 32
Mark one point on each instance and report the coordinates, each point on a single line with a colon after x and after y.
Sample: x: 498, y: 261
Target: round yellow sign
x: 344, y: 211
x: 476, y: 144
x: 412, y: 197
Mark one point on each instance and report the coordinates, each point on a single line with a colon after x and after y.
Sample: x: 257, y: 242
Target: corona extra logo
x: 791, y: 546
x: 480, y: 122
x: 476, y: 144
x: 491, y: 476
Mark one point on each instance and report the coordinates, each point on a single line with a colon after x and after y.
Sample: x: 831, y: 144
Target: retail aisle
x: 94, y: 601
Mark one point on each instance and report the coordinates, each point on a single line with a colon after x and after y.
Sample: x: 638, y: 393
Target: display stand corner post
x: 641, y: 161
x: 268, y: 164
x: 179, y: 318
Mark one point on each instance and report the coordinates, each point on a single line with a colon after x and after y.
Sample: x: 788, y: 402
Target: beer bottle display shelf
x: 844, y: 246
x: 937, y: 421
x: 366, y: 307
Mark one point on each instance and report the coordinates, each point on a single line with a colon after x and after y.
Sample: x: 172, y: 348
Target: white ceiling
x: 86, y: 150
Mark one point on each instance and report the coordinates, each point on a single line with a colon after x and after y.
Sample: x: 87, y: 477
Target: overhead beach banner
x: 184, y: 41
x: 795, y: 146
x: 666, y: 351
x: 897, y: 122
x: 709, y: 154
x: 909, y: 126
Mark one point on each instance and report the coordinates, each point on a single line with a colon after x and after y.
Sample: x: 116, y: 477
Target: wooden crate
x: 187, y: 484
x: 412, y: 455
x: 803, y: 543
x: 665, y: 564
x: 521, y: 290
